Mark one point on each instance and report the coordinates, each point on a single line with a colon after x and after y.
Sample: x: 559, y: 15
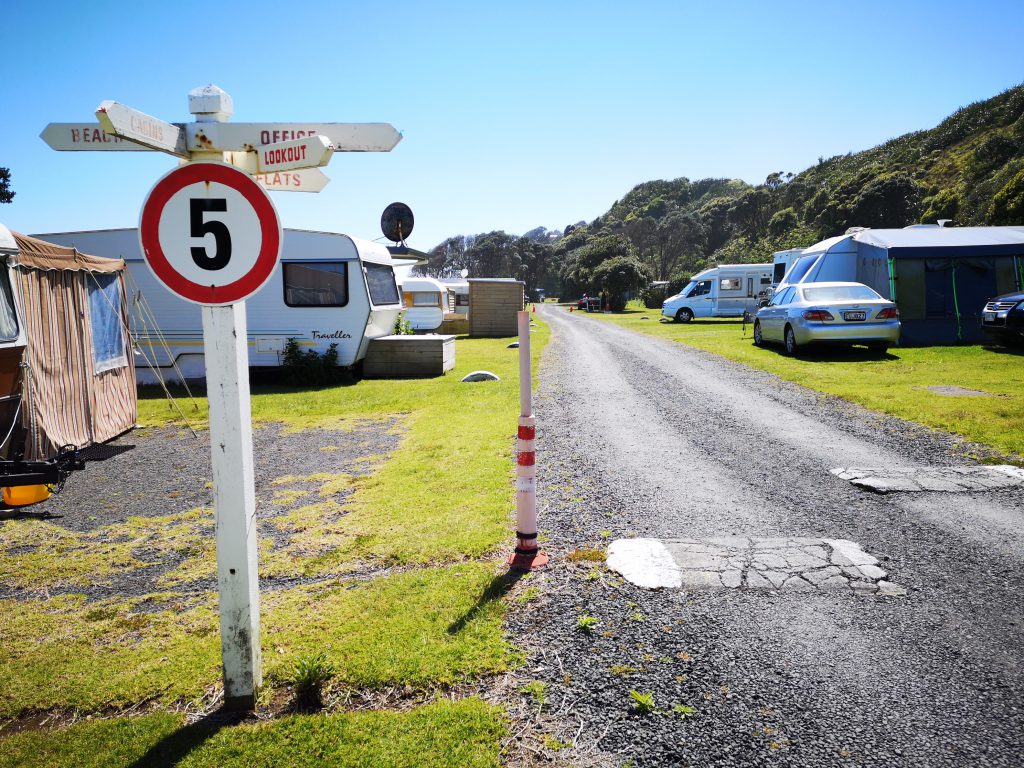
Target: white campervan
x: 727, y: 290
x: 327, y: 289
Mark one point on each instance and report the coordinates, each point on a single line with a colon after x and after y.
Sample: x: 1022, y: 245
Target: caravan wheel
x: 684, y: 315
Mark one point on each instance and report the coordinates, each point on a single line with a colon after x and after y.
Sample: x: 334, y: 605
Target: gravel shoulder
x: 642, y: 437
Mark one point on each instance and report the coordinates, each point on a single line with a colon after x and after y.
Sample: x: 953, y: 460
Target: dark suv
x: 1003, y: 318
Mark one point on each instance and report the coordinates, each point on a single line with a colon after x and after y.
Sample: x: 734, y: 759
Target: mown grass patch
x: 895, y: 384
x: 427, y: 627
x: 445, y: 494
x: 465, y: 733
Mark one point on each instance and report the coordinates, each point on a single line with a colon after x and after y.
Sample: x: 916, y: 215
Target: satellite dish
x: 396, y: 222
x: 464, y: 273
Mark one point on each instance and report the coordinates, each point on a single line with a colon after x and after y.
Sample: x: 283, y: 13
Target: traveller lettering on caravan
x: 334, y: 335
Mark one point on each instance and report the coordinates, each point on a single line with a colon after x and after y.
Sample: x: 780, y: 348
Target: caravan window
x: 730, y: 284
x: 315, y: 283
x: 8, y: 315
x: 425, y: 299
x: 380, y: 279
x: 108, y: 350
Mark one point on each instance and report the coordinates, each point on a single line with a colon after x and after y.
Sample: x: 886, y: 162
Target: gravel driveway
x: 640, y: 437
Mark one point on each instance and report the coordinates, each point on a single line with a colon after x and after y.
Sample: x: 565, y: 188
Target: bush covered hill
x: 969, y: 169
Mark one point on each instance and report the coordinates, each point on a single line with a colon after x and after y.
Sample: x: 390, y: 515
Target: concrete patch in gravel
x: 735, y: 562
x: 946, y: 479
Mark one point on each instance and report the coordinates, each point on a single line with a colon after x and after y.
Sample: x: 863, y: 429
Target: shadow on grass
x: 827, y: 354
x: 1017, y: 351
x: 496, y: 590
x: 176, y: 746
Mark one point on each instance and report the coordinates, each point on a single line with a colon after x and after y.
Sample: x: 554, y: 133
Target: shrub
x: 309, y: 367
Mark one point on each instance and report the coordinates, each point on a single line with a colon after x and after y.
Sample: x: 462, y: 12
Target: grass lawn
x: 895, y: 384
x: 431, y: 517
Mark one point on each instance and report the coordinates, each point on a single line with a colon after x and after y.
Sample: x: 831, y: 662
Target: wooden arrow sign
x: 310, y: 152
x: 305, y: 180
x: 86, y: 137
x: 141, y: 128
x: 344, y: 137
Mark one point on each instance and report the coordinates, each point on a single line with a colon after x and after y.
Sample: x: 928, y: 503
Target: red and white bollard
x: 527, y: 555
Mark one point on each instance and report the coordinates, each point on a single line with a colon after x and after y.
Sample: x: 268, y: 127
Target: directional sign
x: 306, y: 180
x: 141, y: 128
x: 310, y: 152
x: 210, y: 233
x: 75, y: 137
x: 345, y: 137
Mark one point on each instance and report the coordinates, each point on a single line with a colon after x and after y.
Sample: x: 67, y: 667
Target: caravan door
x: 731, y: 294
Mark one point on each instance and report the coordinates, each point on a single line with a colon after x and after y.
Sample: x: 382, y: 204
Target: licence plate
x: 989, y: 317
x: 854, y: 315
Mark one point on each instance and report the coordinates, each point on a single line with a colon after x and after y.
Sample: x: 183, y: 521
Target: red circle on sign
x: 254, y: 194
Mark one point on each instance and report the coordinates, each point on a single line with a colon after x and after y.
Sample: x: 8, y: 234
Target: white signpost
x: 210, y: 234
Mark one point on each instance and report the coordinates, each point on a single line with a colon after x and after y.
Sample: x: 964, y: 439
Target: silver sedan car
x: 836, y: 313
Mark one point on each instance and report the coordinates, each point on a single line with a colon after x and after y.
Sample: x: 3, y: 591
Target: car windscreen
x: 840, y: 293
x: 380, y: 279
x: 800, y: 268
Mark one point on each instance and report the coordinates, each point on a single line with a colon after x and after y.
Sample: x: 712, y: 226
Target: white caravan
x: 426, y: 302
x: 458, y: 290
x: 727, y: 290
x: 327, y: 289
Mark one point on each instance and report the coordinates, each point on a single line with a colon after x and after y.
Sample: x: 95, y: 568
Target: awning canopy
x: 39, y: 254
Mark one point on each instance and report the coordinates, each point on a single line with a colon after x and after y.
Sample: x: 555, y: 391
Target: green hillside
x: 969, y: 169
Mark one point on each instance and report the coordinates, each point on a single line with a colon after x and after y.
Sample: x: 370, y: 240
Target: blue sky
x: 514, y: 115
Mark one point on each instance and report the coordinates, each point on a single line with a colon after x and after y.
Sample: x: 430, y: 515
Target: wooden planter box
x: 399, y: 357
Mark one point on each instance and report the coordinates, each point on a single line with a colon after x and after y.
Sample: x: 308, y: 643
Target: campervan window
x: 461, y: 299
x: 780, y: 272
x: 8, y: 317
x: 700, y: 289
x: 315, y: 283
x: 425, y: 299
x: 380, y: 278
x: 108, y: 350
x: 730, y: 284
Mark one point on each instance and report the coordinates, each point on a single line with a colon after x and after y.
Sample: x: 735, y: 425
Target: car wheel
x: 758, y: 337
x: 878, y: 347
x: 684, y: 315
x: 791, y: 345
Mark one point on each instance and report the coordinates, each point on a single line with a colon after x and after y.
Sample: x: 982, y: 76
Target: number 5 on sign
x: 210, y: 233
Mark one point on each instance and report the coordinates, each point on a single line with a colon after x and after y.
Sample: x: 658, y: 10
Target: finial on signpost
x: 210, y: 104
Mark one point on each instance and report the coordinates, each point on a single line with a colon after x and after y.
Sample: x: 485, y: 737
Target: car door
x: 774, y: 315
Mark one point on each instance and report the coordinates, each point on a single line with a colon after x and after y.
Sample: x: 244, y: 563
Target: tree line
x: 969, y: 169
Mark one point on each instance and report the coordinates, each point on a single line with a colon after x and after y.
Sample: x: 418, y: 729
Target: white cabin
x: 327, y: 289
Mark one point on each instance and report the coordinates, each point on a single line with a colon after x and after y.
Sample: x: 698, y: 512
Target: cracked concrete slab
x: 943, y: 479
x: 802, y: 564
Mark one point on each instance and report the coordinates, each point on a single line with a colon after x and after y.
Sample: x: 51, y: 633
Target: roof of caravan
x: 34, y: 253
x: 941, y: 237
x: 422, y: 284
x: 929, y: 238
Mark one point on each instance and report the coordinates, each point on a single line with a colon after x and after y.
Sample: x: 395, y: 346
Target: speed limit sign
x: 210, y: 233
